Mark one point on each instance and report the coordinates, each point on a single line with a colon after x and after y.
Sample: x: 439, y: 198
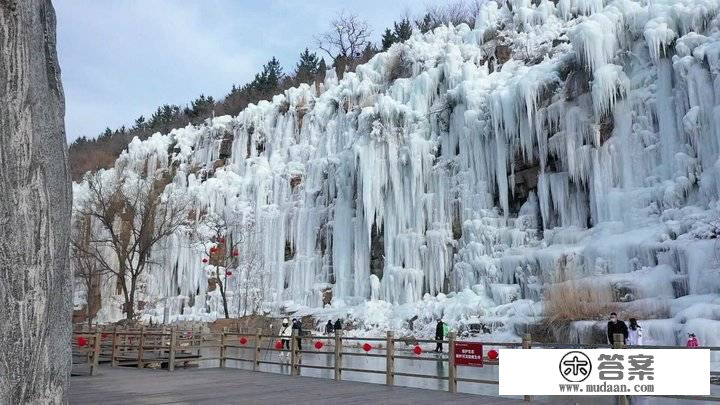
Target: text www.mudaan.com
x: 606, y: 388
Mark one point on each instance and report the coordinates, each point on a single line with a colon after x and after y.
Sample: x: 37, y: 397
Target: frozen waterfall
x: 463, y: 172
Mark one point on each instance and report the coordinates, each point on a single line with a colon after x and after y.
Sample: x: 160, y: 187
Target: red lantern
x: 235, y: 253
x: 417, y: 350
x: 205, y: 260
x: 493, y: 354
x: 213, y: 249
x: 279, y: 345
x: 318, y: 345
x: 228, y: 273
x: 81, y: 341
x: 243, y: 340
x: 367, y: 347
x: 222, y: 240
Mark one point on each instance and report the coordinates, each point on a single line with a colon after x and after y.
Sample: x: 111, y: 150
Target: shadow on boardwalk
x: 212, y: 386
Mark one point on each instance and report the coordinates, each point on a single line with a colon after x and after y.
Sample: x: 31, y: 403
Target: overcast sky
x: 122, y: 58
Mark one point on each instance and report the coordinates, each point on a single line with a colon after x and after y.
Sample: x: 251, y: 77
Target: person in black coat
x: 338, y: 325
x: 329, y: 328
x: 439, y: 335
x: 297, y: 325
x: 616, y: 326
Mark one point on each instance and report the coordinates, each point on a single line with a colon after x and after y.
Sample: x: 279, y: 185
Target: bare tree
x: 346, y: 39
x: 252, y: 270
x: 219, y: 243
x: 85, y: 267
x: 134, y: 215
x: 456, y: 12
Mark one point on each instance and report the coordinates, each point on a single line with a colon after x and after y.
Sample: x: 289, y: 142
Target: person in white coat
x: 286, y: 333
x: 635, y: 333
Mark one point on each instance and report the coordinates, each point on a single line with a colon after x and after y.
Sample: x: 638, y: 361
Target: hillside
x: 554, y: 162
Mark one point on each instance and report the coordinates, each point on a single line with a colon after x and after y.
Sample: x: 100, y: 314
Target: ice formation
x: 461, y: 173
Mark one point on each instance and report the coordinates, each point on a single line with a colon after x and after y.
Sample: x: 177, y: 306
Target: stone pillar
x: 35, y: 203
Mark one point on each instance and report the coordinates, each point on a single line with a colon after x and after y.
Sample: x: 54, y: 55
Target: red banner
x: 468, y: 354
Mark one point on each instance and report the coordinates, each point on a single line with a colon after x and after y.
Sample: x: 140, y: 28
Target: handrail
x: 176, y: 346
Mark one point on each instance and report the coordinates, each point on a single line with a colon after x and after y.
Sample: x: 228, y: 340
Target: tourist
x: 285, y: 332
x: 616, y: 326
x: 439, y: 335
x: 329, y: 328
x: 297, y: 326
x: 634, y: 333
x: 692, y: 341
x: 338, y: 325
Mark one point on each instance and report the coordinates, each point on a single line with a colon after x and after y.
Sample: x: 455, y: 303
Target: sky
x: 122, y: 58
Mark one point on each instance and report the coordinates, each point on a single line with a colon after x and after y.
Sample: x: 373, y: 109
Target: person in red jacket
x: 692, y: 341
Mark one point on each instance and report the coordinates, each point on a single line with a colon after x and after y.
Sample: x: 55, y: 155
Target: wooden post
x: 161, y: 350
x: 141, y: 344
x: 96, y: 354
x: 527, y: 344
x: 88, y: 351
x: 222, y: 348
x: 113, y: 351
x: 294, y: 353
x: 390, y: 359
x: 452, y: 368
x: 256, y: 356
x: 619, y: 343
x: 173, y: 344
x: 338, y: 355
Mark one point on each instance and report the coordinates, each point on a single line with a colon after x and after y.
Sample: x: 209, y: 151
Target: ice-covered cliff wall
x: 570, y: 139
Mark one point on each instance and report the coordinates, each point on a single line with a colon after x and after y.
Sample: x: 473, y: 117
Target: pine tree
x: 140, y: 122
x: 307, y: 68
x: 308, y: 64
x: 269, y: 79
x: 388, y: 39
x: 426, y: 24
x: 107, y: 133
x: 200, y: 109
x: 403, y: 30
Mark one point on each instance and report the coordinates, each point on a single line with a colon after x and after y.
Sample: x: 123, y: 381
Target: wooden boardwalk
x: 232, y: 386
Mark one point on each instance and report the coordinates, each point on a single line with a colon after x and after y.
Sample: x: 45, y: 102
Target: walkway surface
x: 232, y: 386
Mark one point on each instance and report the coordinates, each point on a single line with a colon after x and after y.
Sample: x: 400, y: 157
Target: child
x: 634, y: 333
x: 692, y: 341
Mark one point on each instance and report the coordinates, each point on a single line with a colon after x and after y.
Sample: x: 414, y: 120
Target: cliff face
x: 35, y: 202
x: 464, y: 173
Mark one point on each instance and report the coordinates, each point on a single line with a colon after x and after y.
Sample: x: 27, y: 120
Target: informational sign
x: 468, y: 354
x: 605, y: 372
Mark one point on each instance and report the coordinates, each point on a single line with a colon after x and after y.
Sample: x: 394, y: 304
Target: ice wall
x: 553, y: 140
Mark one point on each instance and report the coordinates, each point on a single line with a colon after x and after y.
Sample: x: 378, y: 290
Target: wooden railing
x: 168, y: 347
x: 86, y: 350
